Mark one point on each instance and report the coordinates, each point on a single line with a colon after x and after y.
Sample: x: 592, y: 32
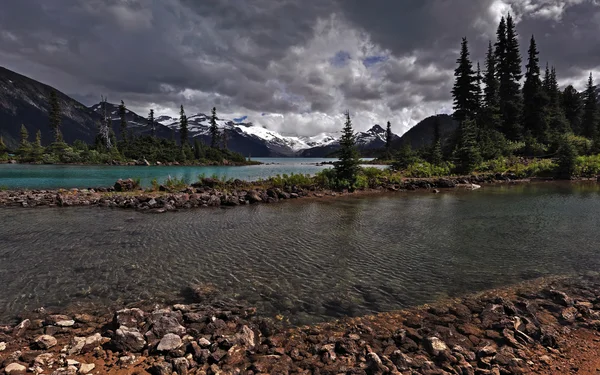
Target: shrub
x: 587, y: 166
x: 175, y: 184
x: 425, y: 170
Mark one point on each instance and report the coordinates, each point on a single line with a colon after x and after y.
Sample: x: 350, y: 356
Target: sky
x: 291, y: 66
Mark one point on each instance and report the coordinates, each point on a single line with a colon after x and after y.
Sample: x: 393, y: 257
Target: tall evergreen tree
x: 38, y: 149
x: 54, y: 115
x: 123, y: 118
x: 478, y: 91
x: 152, y: 123
x: 388, y: 137
x: 491, y: 116
x: 224, y: 139
x: 464, y: 92
x: 546, y: 81
x: 467, y: 152
x: 24, y: 150
x: 509, y: 74
x: 183, y: 126
x: 590, y: 110
x: 436, y: 156
x: 572, y: 105
x: 534, y: 98
x: 214, y: 129
x: 197, y: 149
x: 348, y: 165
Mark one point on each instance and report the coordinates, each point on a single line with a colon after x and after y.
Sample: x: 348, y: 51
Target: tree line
x: 499, y: 117
x: 108, y: 148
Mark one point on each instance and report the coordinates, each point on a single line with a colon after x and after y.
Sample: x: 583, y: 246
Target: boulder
x: 129, y: 339
x: 81, y: 345
x: 45, y: 342
x: 86, y: 368
x: 129, y: 317
x: 15, y: 369
x: 126, y: 185
x: 253, y: 197
x: 169, y: 342
x: 435, y: 346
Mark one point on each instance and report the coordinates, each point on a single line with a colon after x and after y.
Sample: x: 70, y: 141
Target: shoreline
x: 543, y: 326
x: 214, y: 193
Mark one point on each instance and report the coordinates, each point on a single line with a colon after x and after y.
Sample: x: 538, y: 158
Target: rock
x: 81, y: 345
x: 569, y: 315
x: 401, y: 361
x: 45, y: 342
x: 86, y: 368
x: 22, y: 327
x: 15, y: 369
x: 562, y: 298
x: 129, y: 339
x: 435, y: 346
x: 375, y: 366
x: 43, y: 360
x: 253, y: 197
x: 166, y: 321
x: 161, y: 368
x: 2, y: 346
x: 126, y: 185
x: 204, y: 343
x: 71, y: 370
x: 129, y: 317
x: 126, y: 360
x: 181, y: 366
x: 246, y: 337
x: 445, y: 183
x: 169, y: 342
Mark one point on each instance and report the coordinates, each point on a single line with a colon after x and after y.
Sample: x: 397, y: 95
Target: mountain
x: 421, y: 134
x: 25, y: 101
x: 368, y: 143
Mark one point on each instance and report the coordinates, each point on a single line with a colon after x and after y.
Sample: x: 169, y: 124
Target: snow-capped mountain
x: 246, y: 138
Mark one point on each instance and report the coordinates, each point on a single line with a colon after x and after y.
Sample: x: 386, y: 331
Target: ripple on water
x: 309, y: 261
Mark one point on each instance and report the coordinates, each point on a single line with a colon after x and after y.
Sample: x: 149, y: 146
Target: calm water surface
x: 310, y: 261
x: 73, y: 176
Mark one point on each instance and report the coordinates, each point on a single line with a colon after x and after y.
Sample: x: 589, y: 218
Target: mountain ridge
x: 25, y: 101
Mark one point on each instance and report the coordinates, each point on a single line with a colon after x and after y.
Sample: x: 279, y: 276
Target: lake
x: 14, y: 176
x: 307, y: 260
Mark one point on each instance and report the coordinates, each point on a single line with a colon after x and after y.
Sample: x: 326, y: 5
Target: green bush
x: 175, y: 184
x: 587, y: 166
x: 424, y: 169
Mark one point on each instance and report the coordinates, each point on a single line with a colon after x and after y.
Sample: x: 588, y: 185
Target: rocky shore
x: 542, y: 327
x: 212, y: 193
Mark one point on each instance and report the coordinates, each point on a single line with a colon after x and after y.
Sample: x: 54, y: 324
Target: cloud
x: 290, y: 66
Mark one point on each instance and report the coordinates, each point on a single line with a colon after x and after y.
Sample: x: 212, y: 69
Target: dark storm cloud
x: 308, y: 60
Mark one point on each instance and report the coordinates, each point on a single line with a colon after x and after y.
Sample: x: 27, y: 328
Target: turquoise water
x: 27, y: 176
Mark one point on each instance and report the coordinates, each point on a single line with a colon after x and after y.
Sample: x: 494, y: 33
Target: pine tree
x: 54, y: 115
x: 478, y: 91
x: 388, y: 137
x: 553, y: 90
x: 123, y: 117
x: 546, y: 81
x: 534, y: 99
x: 436, y: 156
x: 38, y: 149
x: 197, y: 149
x: 572, y: 105
x: 348, y: 165
x: 509, y: 74
x: 567, y: 157
x: 224, y: 139
x: 152, y: 123
x: 467, y: 153
x: 214, y: 129
x: 183, y: 126
x: 404, y: 158
x: 491, y: 114
x: 590, y: 110
x: 464, y: 92
x: 24, y: 150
